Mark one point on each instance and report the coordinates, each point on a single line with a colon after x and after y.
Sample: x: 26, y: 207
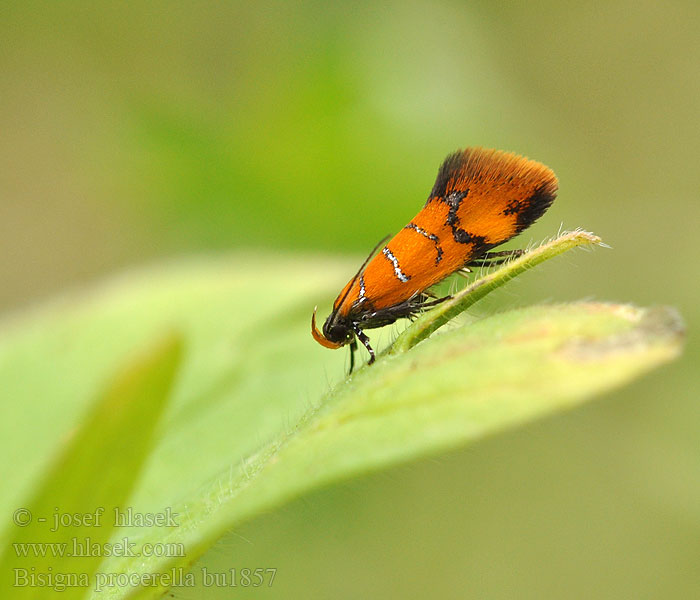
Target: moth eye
x: 335, y: 332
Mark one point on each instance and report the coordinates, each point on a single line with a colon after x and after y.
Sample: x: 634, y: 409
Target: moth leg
x: 365, y: 341
x: 495, y: 258
x: 435, y: 302
x: 507, y: 253
x: 353, y: 348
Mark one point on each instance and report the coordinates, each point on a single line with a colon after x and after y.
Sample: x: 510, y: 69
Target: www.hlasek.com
x: 84, y: 547
x: 176, y: 577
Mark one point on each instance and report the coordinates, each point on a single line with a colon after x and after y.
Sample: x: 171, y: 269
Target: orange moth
x: 481, y: 198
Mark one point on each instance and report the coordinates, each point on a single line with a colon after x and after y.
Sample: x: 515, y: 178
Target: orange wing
x: 481, y: 198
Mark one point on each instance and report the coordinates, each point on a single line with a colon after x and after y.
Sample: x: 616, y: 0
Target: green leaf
x: 72, y: 511
x: 255, y: 420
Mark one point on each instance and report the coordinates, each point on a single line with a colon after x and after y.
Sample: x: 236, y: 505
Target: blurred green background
x: 133, y: 133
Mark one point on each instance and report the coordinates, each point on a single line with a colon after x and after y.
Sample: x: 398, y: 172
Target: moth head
x: 337, y: 331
